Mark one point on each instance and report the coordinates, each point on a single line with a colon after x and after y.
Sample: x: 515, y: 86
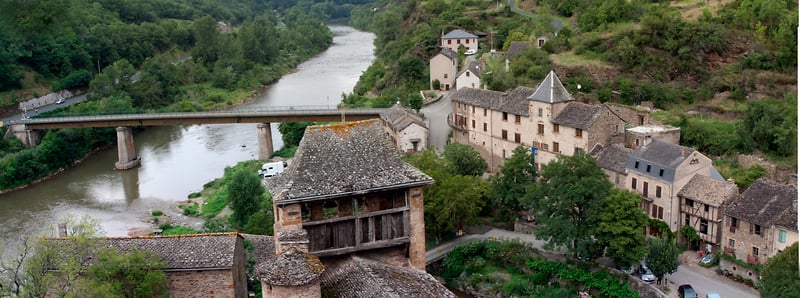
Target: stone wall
x: 308, y: 291
x: 416, y: 250
x: 47, y: 99
x: 630, y: 115
x: 206, y: 283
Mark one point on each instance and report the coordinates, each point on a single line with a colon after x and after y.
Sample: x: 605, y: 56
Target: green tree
x: 207, y: 40
x: 770, y: 126
x: 414, y: 101
x: 780, y: 276
x: 292, y: 132
x: 662, y: 257
x: 245, y: 193
x: 621, y: 227
x: 133, y: 274
x: 689, y: 234
x: 456, y: 203
x: 513, y: 181
x: 568, y: 200
x: 464, y: 160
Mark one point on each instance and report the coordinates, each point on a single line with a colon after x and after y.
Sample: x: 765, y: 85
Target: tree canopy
x: 513, y: 181
x: 662, y: 257
x: 464, y: 160
x: 780, y: 276
x: 621, y: 227
x: 245, y: 193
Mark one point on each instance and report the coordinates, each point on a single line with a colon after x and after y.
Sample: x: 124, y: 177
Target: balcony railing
x: 342, y: 235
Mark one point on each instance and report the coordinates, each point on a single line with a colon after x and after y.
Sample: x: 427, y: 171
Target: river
x: 177, y: 161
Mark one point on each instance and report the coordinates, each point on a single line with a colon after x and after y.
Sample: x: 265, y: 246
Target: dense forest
x: 724, y: 72
x: 144, y: 56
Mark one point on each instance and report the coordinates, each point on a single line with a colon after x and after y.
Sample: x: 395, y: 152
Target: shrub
x: 157, y: 213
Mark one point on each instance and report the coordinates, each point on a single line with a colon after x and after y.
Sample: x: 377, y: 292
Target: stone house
x: 408, y: 131
x: 612, y: 160
x: 546, y: 118
x: 208, y: 265
x: 761, y: 222
x: 443, y: 68
x: 347, y: 200
x: 702, y: 200
x: 459, y: 38
x: 658, y: 171
x: 469, y: 77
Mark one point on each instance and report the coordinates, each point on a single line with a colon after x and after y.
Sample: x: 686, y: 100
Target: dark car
x: 686, y: 291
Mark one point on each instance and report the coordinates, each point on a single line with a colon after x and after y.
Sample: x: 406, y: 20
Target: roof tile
x: 766, y: 203
x: 578, y: 115
x: 708, y: 190
x: 360, y: 277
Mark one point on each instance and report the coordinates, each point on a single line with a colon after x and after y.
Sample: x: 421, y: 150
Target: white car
x: 470, y: 52
x: 647, y: 275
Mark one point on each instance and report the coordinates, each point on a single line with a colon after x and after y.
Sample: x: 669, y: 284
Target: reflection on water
x: 177, y: 161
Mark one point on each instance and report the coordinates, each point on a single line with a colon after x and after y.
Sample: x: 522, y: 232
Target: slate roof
x: 195, y: 251
x: 474, y: 67
x: 360, y: 277
x: 337, y: 160
x: 264, y: 246
x: 766, y: 203
x: 516, y: 48
x: 457, y: 34
x: 447, y: 52
x: 578, y: 115
x: 708, y: 190
x: 514, y: 101
x: 290, y: 268
x: 399, y: 117
x: 614, y: 158
x: 551, y: 90
x: 661, y: 156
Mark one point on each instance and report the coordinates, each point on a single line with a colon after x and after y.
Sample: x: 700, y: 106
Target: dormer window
x: 636, y: 165
x: 648, y: 168
x: 661, y: 172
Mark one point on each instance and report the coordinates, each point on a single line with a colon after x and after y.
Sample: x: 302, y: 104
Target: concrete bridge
x: 27, y: 131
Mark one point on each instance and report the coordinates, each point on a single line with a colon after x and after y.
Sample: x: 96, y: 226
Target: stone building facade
x: 407, y: 129
x: 459, y: 38
x: 443, y: 68
x: 701, y: 202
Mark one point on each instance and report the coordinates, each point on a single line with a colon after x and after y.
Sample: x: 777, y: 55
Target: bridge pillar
x: 264, y: 141
x: 28, y: 137
x: 126, y: 150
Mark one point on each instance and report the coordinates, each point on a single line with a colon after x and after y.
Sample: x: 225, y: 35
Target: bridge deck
x: 281, y: 115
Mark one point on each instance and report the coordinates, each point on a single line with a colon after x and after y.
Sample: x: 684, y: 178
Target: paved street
x: 436, y: 114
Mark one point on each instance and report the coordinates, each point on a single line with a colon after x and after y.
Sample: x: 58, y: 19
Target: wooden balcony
x: 348, y: 234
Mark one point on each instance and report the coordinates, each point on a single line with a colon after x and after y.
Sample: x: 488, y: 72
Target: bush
x: 75, y: 79
x: 157, y: 213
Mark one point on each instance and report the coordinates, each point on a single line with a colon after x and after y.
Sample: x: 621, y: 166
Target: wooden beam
x: 363, y: 246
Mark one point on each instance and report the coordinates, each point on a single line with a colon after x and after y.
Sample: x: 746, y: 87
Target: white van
x: 272, y: 168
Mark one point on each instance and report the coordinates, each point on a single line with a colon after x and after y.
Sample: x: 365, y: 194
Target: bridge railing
x: 234, y: 110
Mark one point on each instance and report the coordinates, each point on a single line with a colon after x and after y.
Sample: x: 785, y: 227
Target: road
x: 706, y: 279
x: 18, y: 117
x: 436, y: 113
x: 557, y: 24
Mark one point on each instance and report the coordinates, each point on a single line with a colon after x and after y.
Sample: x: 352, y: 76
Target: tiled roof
x: 458, y: 33
x: 766, y: 203
x: 578, y: 115
x: 513, y: 101
x: 196, y: 251
x: 447, y: 52
x: 551, y: 90
x: 708, y: 190
x: 354, y: 277
x: 516, y: 48
x: 658, y: 156
x: 264, y: 246
x: 337, y: 159
x: 473, y: 67
x: 290, y: 268
x: 614, y: 158
x: 399, y: 117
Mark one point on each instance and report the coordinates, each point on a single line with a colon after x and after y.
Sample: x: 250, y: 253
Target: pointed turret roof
x: 551, y: 90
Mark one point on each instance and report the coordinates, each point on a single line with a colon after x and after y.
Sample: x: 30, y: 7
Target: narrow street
x: 436, y: 114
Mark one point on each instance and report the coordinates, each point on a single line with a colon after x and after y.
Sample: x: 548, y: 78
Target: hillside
x: 711, y: 68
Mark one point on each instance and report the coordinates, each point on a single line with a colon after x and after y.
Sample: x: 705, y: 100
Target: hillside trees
x: 245, y: 192
x: 780, y: 276
x: 464, y: 160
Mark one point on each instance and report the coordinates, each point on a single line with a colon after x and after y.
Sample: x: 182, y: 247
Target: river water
x: 177, y: 161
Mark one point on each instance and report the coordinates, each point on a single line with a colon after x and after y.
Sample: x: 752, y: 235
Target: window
x: 473, y: 123
x: 517, y: 138
x: 689, y: 203
x: 578, y: 132
x: 648, y: 168
x: 633, y: 183
x: 705, y: 207
x: 517, y: 119
x: 654, y: 211
x: 755, y: 229
x: 540, y: 112
x: 645, y: 189
x: 473, y: 109
x: 466, y: 41
x: 687, y: 220
x: 578, y: 150
x: 540, y: 129
x: 505, y: 134
x: 636, y: 165
x: 504, y: 153
x: 445, y: 76
x: 731, y: 243
x: 755, y: 251
x: 484, y: 126
x: 782, y: 236
x: 734, y: 222
x: 658, y: 191
x: 545, y: 147
x: 660, y: 213
x: 467, y: 73
x: 484, y: 111
x: 555, y: 127
x: 704, y: 226
x: 505, y: 116
x: 661, y: 172
x: 458, y: 41
x: 449, y: 41
x: 555, y: 147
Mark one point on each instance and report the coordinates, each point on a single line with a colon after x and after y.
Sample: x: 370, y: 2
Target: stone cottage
x: 408, y: 131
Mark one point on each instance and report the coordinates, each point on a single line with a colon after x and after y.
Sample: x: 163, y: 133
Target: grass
x: 570, y: 59
x: 214, y: 202
x: 285, y: 152
x: 169, y: 229
x: 157, y: 213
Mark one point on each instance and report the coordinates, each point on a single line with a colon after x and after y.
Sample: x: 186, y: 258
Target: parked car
x: 707, y: 259
x: 686, y: 291
x: 60, y: 101
x: 470, y: 52
x: 647, y: 275
x: 713, y: 294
